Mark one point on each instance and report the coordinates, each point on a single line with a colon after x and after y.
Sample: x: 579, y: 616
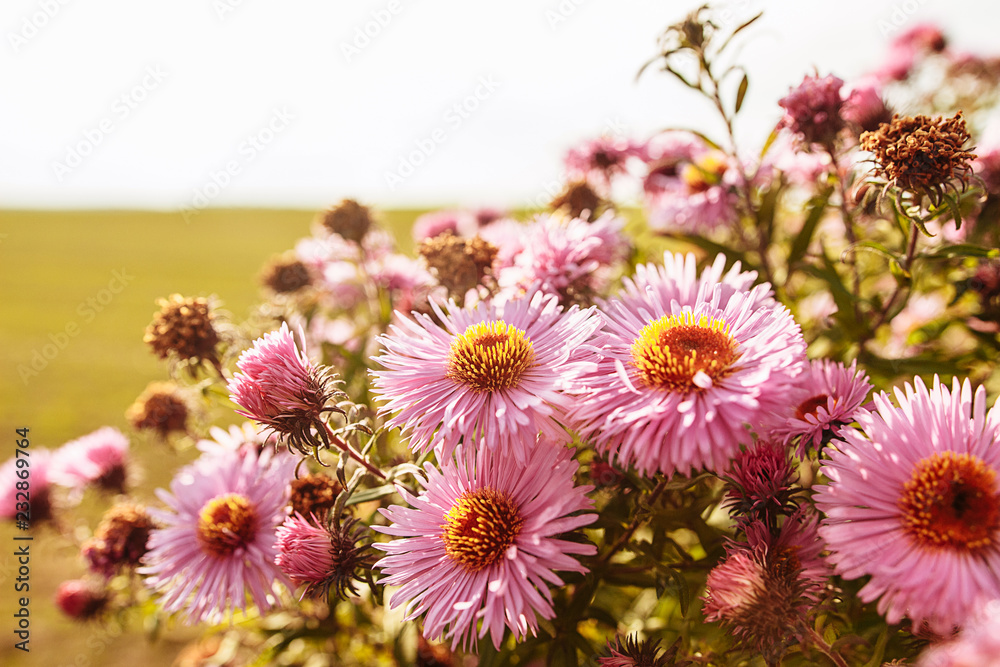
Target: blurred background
x: 148, y: 149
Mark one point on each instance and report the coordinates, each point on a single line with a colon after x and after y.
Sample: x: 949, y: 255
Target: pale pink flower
x: 97, y: 458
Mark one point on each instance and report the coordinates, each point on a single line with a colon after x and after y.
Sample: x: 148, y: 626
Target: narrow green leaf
x: 742, y: 92
x: 739, y: 29
x: 372, y: 494
x: 960, y: 250
x: 817, y: 206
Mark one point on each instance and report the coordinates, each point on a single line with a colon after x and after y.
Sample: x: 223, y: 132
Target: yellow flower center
x: 480, y: 527
x: 225, y: 524
x: 490, y: 356
x: 704, y: 172
x: 670, y: 352
x: 951, y: 501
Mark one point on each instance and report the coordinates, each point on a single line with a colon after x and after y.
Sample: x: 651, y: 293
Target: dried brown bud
x: 922, y: 155
x: 184, y: 327
x: 120, y: 540
x: 458, y: 263
x: 160, y: 408
x: 286, y: 275
x: 579, y: 200
x: 314, y: 494
x: 349, y: 219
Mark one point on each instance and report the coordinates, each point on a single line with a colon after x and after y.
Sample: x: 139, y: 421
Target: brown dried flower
x: 314, y: 494
x: 579, y: 200
x: 458, y: 263
x: 184, y: 327
x: 120, y: 540
x: 921, y: 155
x: 160, y: 408
x: 285, y: 276
x: 349, y: 219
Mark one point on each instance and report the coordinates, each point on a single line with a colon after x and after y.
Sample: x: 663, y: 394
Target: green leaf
x: 701, y: 135
x: 741, y: 93
x: 372, y: 494
x: 817, y: 206
x: 739, y: 29
x: 960, y: 250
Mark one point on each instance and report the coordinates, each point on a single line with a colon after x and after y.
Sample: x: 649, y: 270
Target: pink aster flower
x: 569, y: 258
x: 914, y: 504
x: 978, y: 645
x: 479, y: 543
x: 760, y: 484
x: 97, y: 458
x: 679, y: 383
x: 279, y: 388
x: 864, y: 107
x: 494, y: 373
x: 826, y: 399
x: 82, y: 600
x: 35, y: 477
x: 217, y: 540
x: 600, y: 160
x: 458, y: 222
x: 693, y: 194
x: 812, y: 110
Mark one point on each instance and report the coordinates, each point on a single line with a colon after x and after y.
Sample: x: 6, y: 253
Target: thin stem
x: 911, y: 248
x: 845, y: 214
x: 346, y: 448
x: 824, y: 648
x: 632, y: 527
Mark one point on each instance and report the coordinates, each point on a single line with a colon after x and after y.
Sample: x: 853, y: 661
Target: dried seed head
x: 458, y: 263
x: 184, y: 327
x: 921, y: 155
x: 579, y: 200
x: 349, y: 219
x: 161, y: 408
x: 120, y: 540
x: 314, y: 494
x: 285, y: 276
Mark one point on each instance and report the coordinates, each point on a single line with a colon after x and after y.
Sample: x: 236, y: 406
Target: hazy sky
x: 132, y: 103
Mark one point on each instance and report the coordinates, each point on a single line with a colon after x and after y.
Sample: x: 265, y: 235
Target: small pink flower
x: 279, y: 388
x: 81, y: 600
x: 600, y: 160
x: 813, y: 110
x: 320, y: 559
x: 978, y: 645
x: 97, y: 458
x: 33, y: 476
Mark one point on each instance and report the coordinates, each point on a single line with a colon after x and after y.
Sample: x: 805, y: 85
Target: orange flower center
x: 490, y: 356
x: 670, y: 352
x: 225, y: 524
x: 480, y: 527
x: 951, y: 501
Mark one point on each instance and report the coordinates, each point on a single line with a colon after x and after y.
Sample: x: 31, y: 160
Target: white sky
x: 200, y: 77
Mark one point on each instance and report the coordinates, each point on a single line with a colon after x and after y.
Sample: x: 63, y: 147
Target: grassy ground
x: 76, y: 291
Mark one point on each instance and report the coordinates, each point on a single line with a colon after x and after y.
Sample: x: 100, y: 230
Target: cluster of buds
x: 184, y: 328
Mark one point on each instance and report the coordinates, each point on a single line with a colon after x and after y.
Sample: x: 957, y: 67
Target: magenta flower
x: 35, y: 477
x: 600, y: 160
x: 282, y: 390
x: 97, y: 458
x: 81, y: 600
x: 320, y: 559
x: 678, y: 384
x: 760, y: 484
x: 479, y: 543
x: 217, y: 540
x: 569, y: 258
x: 494, y: 374
x: 827, y: 397
x: 913, y: 503
x: 813, y: 110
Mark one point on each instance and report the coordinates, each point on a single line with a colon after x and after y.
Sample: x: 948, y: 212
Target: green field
x: 76, y: 291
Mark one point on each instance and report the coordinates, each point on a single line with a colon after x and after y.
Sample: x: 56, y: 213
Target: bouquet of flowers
x: 740, y: 418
